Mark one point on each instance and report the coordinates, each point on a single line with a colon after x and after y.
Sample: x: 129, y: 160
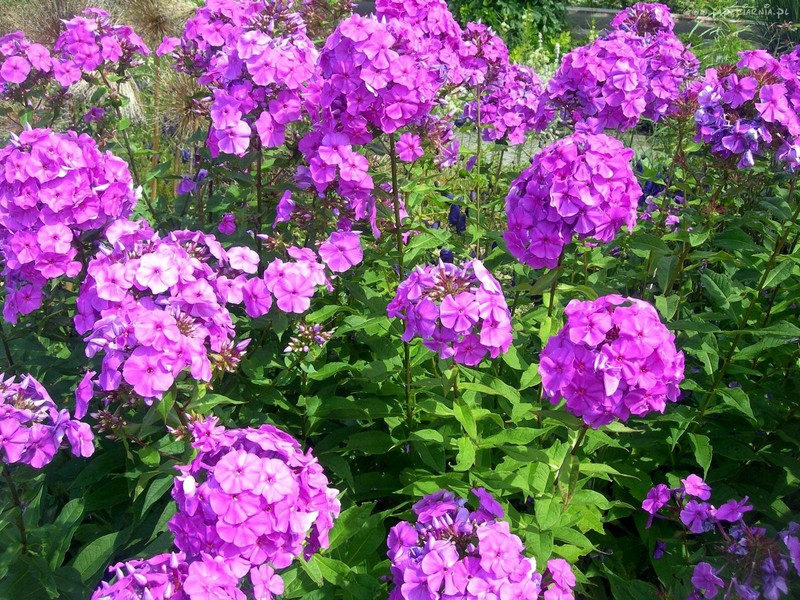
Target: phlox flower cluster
x: 442, y: 32
x: 613, y: 359
x: 251, y: 498
x: 644, y: 19
x: 153, y: 307
x: 32, y: 428
x: 257, y: 60
x: 509, y: 104
x: 459, y: 312
x: 375, y: 76
x: 582, y: 184
x: 375, y: 73
x: 636, y: 69
x: 749, y: 562
x: 171, y: 577
x: 162, y: 576
x: 89, y: 43
x: 453, y: 553
x: 600, y: 85
x: 484, y: 55
x: 56, y: 191
x: 750, y: 109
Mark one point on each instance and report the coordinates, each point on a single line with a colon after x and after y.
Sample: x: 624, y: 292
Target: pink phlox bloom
x: 341, y: 251
x: 693, y: 485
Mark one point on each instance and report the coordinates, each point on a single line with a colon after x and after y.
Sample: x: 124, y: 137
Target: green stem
x: 553, y: 286
x: 573, y: 451
x: 398, y: 231
x: 478, y: 174
x: 23, y: 536
x: 6, y: 347
x: 126, y: 140
x: 779, y: 244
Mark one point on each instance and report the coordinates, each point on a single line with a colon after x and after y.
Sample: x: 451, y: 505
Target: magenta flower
x: 705, y: 579
x: 582, y: 184
x: 227, y: 226
x: 459, y: 312
x: 453, y: 552
x: 15, y: 69
x: 695, y: 486
x: 697, y: 516
x: 341, y: 251
x: 60, y: 189
x: 256, y: 494
x: 409, y: 147
x: 154, y: 307
x: 234, y: 139
x: 32, y: 428
x: 733, y: 510
x: 613, y: 359
x: 145, y: 373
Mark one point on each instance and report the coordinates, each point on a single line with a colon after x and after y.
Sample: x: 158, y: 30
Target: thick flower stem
x: 779, y: 245
x: 478, y: 173
x: 126, y: 140
x: 6, y: 347
x: 156, y: 122
x: 573, y: 451
x: 23, y: 536
x: 398, y: 234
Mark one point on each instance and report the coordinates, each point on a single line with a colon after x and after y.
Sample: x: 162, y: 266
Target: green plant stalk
x: 156, y: 124
x: 779, y: 244
x: 398, y: 233
x: 554, y: 286
x: 478, y: 173
x: 6, y: 347
x: 126, y: 140
x: 573, y: 451
x: 23, y: 536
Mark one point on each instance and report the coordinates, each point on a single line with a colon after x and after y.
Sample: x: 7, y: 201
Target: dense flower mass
x: 56, y: 191
x: 375, y: 73
x: 251, y: 497
x: 582, y: 184
x: 442, y: 33
x: 508, y: 104
x: 635, y: 70
x: 89, y: 43
x: 155, y: 306
x: 162, y: 576
x: 459, y: 312
x: 612, y: 359
x: 257, y: 59
x: 750, y: 109
x: 452, y: 552
x: 644, y: 19
x: 754, y: 564
x: 32, y: 428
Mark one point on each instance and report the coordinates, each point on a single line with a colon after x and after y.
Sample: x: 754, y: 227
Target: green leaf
x: 463, y: 414
x: 649, y: 242
x: 715, y: 293
x: 668, y: 305
x: 371, y: 442
x: 466, y: 455
x: 738, y: 399
x: 94, y: 556
x: 630, y: 589
x: 780, y: 273
x: 63, y: 529
x: 209, y: 401
x: 702, y: 451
